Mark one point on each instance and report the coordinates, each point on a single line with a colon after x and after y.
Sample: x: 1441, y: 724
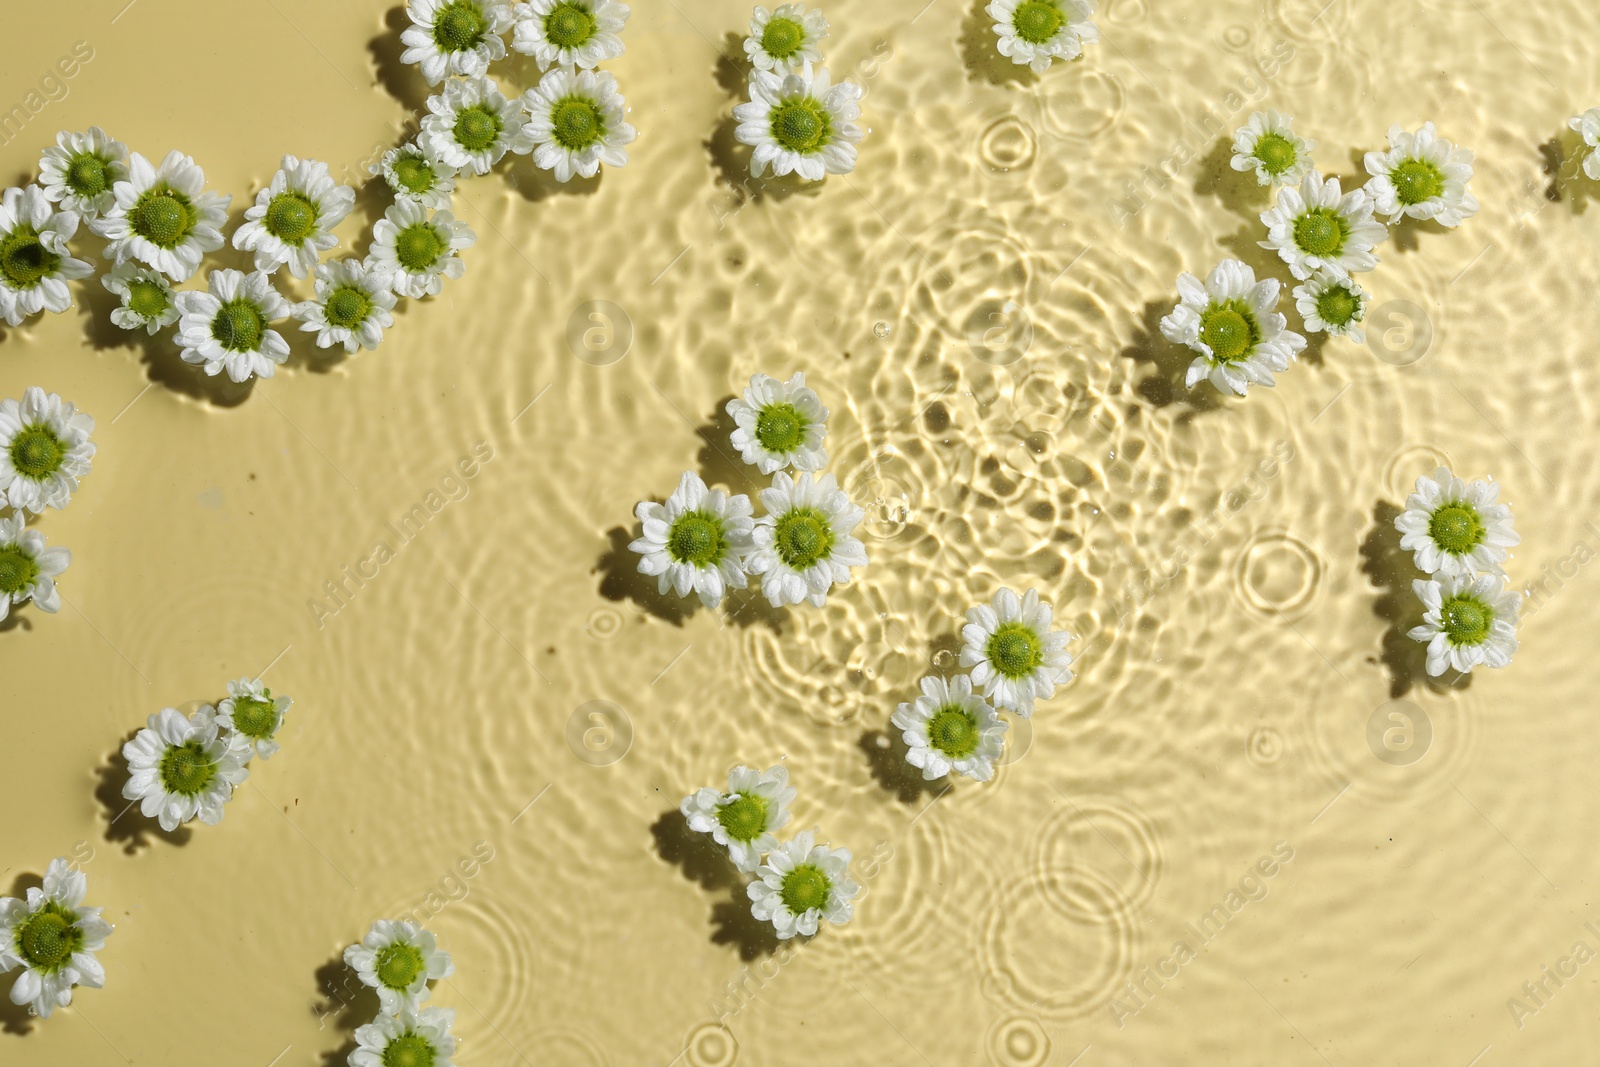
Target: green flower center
x: 398, y: 965
x: 459, y: 26
x: 415, y: 174
x: 17, y: 570
x: 24, y: 260
x: 1465, y: 620
x: 1036, y: 21
x: 418, y: 247
x: 953, y: 731
x: 147, y: 299
x: 409, y: 1050
x: 1229, y: 330
x: 88, y: 174
x: 36, y: 452
x: 239, y: 326
x: 745, y: 819
x: 291, y: 217
x: 162, y: 216
x: 186, y: 769
x: 1338, y: 307
x: 696, y: 539
x: 803, y: 536
x: 569, y: 25
x: 48, y: 938
x: 1456, y: 528
x: 477, y: 127
x: 1321, y: 232
x: 347, y: 307
x: 255, y: 718
x: 577, y: 123
x: 780, y: 428
x: 1015, y: 650
x: 804, y: 888
x: 1276, y: 152
x: 801, y: 124
x: 782, y: 38
x: 1416, y: 181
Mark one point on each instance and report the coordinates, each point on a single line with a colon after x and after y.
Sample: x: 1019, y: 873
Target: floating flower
x: 697, y: 541
x: 780, y: 424
x: 803, y: 545
x: 418, y: 250
x: 798, y: 124
x: 352, y: 306
x: 44, y: 450
x: 34, y: 265
x: 252, y: 713
x: 1232, y: 321
x: 1034, y: 33
x: 148, y: 302
x: 786, y: 39
x: 163, y: 216
x: 80, y: 170
x: 225, y: 328
x: 409, y: 1039
x: 53, y: 938
x: 743, y: 819
x: 290, y: 220
x: 951, y: 728
x: 570, y: 33
x: 454, y: 36
x: 1467, y: 621
x: 184, y: 767
x: 397, y: 959
x: 471, y: 125
x: 411, y: 175
x: 575, y: 123
x: 28, y: 569
x: 801, y: 884
x: 1588, y: 124
x: 1331, y: 304
x: 1013, y: 653
x: 1455, y: 527
x: 1269, y: 146
x: 1423, y: 176
x: 1320, y: 228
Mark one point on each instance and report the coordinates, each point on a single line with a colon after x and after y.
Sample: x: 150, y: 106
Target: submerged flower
x: 225, y: 328
x: 575, y: 123
x: 454, y: 36
x: 1332, y: 304
x: 743, y: 819
x: 252, y: 713
x: 418, y: 250
x: 1588, y: 125
x: 1037, y: 32
x: 570, y: 33
x: 803, y: 544
x: 1421, y: 175
x: 291, y: 217
x: 1319, y: 228
x: 1233, y: 322
x: 801, y: 884
x: 34, y: 265
x: 697, y: 541
x: 951, y: 728
x: 80, y: 170
x: 780, y: 424
x: 411, y: 175
x: 1269, y: 146
x: 1013, y: 653
x: 1467, y: 621
x: 409, y: 1039
x: 53, y: 938
x: 397, y: 959
x: 44, y: 450
x: 798, y: 124
x: 163, y: 216
x: 1455, y: 527
x: 471, y: 125
x: 184, y: 767
x: 352, y: 306
x: 28, y: 569
x: 785, y: 39
x: 148, y: 302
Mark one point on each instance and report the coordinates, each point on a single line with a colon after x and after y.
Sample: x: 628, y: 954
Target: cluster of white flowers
x: 1035, y: 33
x: 53, y: 938
x: 44, y: 451
x: 796, y: 121
x: 398, y: 959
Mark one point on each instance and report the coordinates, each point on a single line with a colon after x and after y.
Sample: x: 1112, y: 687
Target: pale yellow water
x: 977, y: 304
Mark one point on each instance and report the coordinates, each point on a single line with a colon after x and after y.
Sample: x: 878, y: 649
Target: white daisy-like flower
x: 801, y: 884
x: 1421, y: 175
x: 148, y: 302
x: 1268, y: 145
x: 743, y: 819
x: 411, y: 175
x: 697, y: 541
x: 28, y: 569
x: 53, y: 938
x: 34, y: 264
x: 291, y: 218
x: 1455, y: 527
x: 1332, y: 304
x: 251, y: 711
x: 1013, y: 653
x: 162, y: 216
x: 471, y: 125
x: 410, y: 1039
x: 1467, y: 621
x: 951, y: 728
x: 225, y: 328
x: 80, y: 170
x: 454, y: 36
x: 184, y: 768
x: 418, y: 249
x: 803, y: 544
x: 799, y: 124
x: 397, y: 958
x: 1034, y: 33
x: 570, y: 33
x: 1318, y: 227
x: 785, y: 39
x: 44, y: 450
x: 1588, y: 125
x: 1232, y: 321
x: 780, y: 424
x: 575, y: 123
x: 352, y: 306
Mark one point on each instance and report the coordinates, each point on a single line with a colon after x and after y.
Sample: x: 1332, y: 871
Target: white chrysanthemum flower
x: 785, y: 39
x: 148, y: 302
x: 951, y: 728
x: 1331, y: 304
x: 780, y: 424
x: 1268, y: 145
x: 1421, y: 175
x: 80, y: 171
x: 1455, y: 527
x: 1319, y: 227
x: 1232, y: 321
x: 225, y: 328
x: 801, y: 884
x: 409, y: 1039
x: 570, y: 33
x: 27, y: 568
x: 251, y: 712
x: 163, y: 216
x: 454, y: 36
x: 418, y: 250
x: 743, y: 819
x: 397, y: 959
x: 1588, y: 125
x: 798, y: 124
x: 184, y: 768
x: 53, y: 938
x: 44, y: 450
x: 697, y: 541
x: 803, y: 544
x: 34, y: 264
x: 1013, y: 653
x: 471, y: 125
x: 411, y: 175
x: 1467, y: 621
x: 1037, y: 32
x: 352, y: 306
x: 291, y: 218
x: 575, y: 123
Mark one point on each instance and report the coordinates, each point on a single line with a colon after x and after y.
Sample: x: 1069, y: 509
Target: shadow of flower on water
x: 886, y: 761
x: 1170, y: 363
x: 620, y: 579
x: 705, y: 863
x: 126, y: 824
x: 17, y: 1018
x: 350, y: 1002
x: 980, y: 55
x: 1392, y: 570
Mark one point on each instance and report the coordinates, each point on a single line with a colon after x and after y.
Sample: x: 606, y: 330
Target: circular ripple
x: 1265, y: 746
x: 1112, y: 837
x: 977, y: 290
x: 1278, y: 576
x: 911, y: 921
x: 1399, y: 749
x: 604, y: 623
x: 1237, y: 38
x: 1007, y: 146
x: 566, y: 1047
x: 1410, y: 463
x: 494, y: 953
x: 1083, y: 103
x: 1018, y: 1041
x: 882, y: 487
x: 711, y: 1045
x: 1039, y: 958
